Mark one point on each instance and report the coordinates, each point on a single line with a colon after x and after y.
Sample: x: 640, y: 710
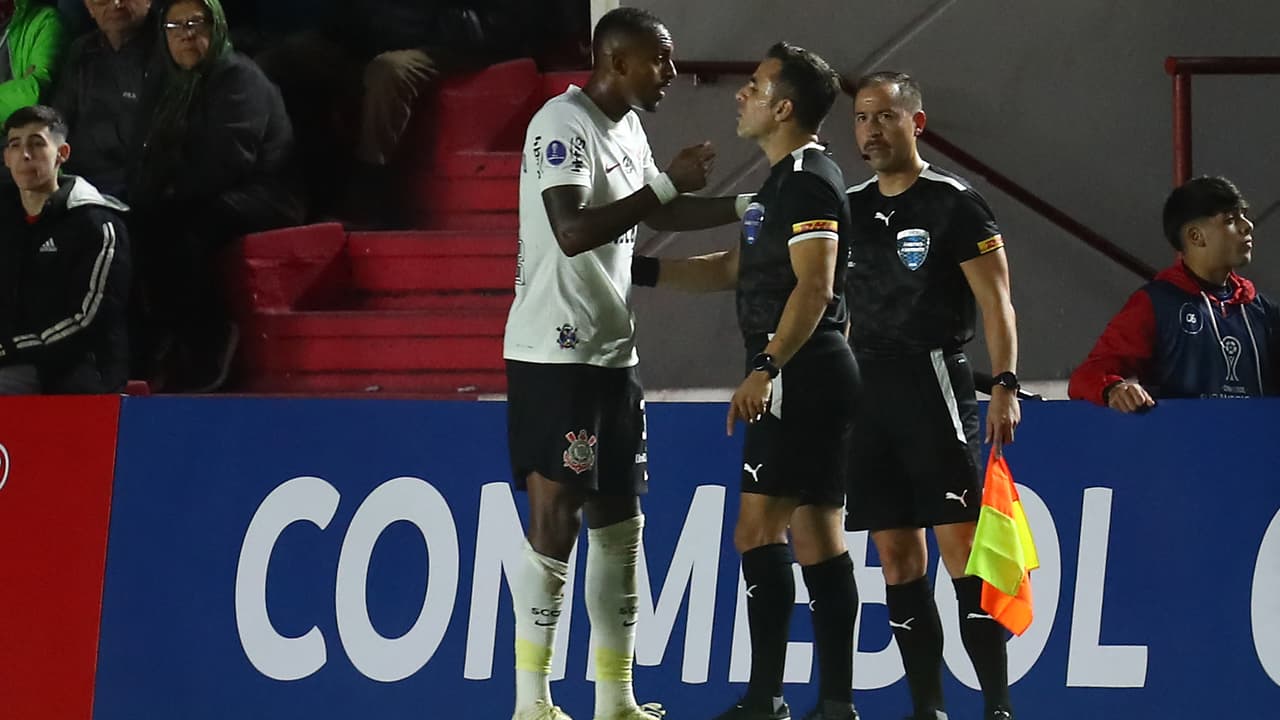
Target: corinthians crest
x: 581, y: 454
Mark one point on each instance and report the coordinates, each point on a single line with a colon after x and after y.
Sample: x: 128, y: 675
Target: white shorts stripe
x: 948, y: 393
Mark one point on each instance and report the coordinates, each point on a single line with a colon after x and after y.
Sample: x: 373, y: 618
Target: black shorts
x: 580, y: 425
x: 797, y: 450
x: 913, y: 457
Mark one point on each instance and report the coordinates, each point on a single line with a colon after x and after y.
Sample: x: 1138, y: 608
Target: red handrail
x: 1181, y: 69
x: 710, y: 70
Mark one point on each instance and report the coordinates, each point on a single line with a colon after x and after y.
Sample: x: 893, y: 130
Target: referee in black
x: 925, y: 247
x: 798, y: 394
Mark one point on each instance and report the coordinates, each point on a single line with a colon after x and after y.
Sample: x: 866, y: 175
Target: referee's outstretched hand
x: 692, y: 166
x: 750, y: 401
x: 1003, y: 415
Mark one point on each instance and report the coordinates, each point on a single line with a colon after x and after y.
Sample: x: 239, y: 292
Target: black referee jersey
x: 802, y: 199
x: 905, y: 289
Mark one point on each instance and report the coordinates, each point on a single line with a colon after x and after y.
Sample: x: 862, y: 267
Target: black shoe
x: 751, y: 709
x: 1000, y: 715
x: 832, y: 711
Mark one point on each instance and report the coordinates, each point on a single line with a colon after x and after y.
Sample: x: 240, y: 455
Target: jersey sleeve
x: 973, y: 231
x: 557, y: 148
x: 810, y: 207
x: 1124, y: 350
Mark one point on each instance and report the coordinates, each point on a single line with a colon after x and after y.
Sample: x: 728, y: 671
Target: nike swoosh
x: 611, y: 169
x: 539, y: 623
x: 629, y: 624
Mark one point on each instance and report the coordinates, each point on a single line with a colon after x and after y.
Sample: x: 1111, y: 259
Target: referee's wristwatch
x: 1007, y: 380
x: 764, y: 362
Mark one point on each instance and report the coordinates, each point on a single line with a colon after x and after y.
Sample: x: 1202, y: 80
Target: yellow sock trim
x: 612, y: 665
x: 531, y: 657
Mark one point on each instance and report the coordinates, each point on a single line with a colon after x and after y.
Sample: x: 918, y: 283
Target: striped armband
x: 812, y: 229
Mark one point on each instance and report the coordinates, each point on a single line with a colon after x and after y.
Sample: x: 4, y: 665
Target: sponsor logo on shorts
x: 995, y: 242
x: 755, y: 471
x: 568, y: 337
x: 958, y: 498
x: 581, y: 453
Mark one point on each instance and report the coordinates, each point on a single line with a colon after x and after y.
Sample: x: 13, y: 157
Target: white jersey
x: 575, y: 309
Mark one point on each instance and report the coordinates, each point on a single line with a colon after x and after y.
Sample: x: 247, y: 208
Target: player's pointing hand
x: 692, y: 166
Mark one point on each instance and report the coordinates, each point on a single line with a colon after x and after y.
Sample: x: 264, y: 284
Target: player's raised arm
x: 579, y: 227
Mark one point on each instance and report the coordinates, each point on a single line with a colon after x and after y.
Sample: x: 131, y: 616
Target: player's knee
x: 749, y: 536
x: 903, y: 560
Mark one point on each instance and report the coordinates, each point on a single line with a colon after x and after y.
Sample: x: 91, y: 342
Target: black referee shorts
x: 580, y: 425
x: 914, y: 454
x: 798, y: 449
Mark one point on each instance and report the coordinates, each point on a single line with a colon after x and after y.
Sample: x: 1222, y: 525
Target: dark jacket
x: 1181, y: 340
x: 99, y: 92
x: 64, y: 288
x: 236, y: 163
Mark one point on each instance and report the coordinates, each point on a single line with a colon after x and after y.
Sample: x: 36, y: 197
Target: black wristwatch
x: 763, y: 362
x: 1006, y: 380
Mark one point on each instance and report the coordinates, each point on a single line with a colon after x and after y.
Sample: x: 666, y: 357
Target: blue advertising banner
x: 347, y: 558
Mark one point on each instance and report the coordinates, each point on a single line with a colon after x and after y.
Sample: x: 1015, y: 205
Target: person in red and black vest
x: 1199, y: 329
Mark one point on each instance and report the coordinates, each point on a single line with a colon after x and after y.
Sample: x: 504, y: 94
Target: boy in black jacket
x: 64, y: 269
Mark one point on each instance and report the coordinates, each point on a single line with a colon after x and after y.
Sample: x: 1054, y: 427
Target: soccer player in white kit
x: 576, y: 427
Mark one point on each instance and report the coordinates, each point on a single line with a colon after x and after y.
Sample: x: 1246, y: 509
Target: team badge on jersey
x: 568, y: 339
x: 1190, y: 319
x: 913, y: 248
x: 752, y: 220
x: 556, y: 153
x: 581, y: 453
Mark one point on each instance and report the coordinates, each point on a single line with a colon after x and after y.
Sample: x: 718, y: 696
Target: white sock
x: 612, y: 554
x: 537, y: 594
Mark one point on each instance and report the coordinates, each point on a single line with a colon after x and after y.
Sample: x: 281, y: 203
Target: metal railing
x: 1182, y: 69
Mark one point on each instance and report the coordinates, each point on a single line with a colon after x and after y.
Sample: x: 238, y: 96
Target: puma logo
x: 958, y: 498
x: 978, y: 616
x: 904, y: 625
x: 753, y: 470
x: 751, y: 588
x: 885, y: 218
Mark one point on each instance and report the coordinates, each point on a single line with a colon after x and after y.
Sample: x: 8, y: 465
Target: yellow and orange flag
x: 1004, y: 554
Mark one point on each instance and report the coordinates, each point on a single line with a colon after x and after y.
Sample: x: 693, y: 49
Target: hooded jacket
x: 1184, y: 340
x: 64, y: 289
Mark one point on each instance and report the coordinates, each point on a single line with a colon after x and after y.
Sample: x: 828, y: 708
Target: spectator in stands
x: 1198, y: 329
x: 379, y: 58
x: 75, y: 17
x: 34, y: 41
x: 216, y: 164
x: 100, y: 88
x: 64, y: 269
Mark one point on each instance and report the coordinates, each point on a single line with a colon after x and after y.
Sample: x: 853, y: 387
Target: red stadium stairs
x: 417, y: 312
